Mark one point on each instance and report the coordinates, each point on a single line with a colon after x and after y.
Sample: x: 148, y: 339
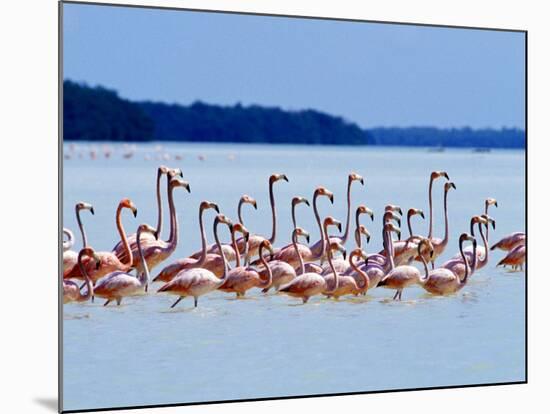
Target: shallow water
x: 144, y: 353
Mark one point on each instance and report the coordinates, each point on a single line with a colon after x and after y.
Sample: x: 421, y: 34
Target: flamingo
x: 510, y: 241
x: 433, y: 176
x: 349, y: 285
x: 71, y: 291
x: 443, y: 281
x: 401, y: 277
x: 381, y: 258
x: 242, y: 278
x: 117, y: 285
x: 373, y: 271
x: 282, y: 272
x: 109, y: 261
x: 296, y: 201
x: 289, y: 253
x: 309, y: 284
x: 67, y: 244
x: 456, y: 263
x: 70, y: 257
x: 228, y: 249
x: 489, y: 202
x: 198, y: 281
x: 480, y: 250
x: 210, y: 261
x: 153, y: 238
x: 393, y: 208
x: 405, y: 250
x: 515, y: 258
x: 440, y: 244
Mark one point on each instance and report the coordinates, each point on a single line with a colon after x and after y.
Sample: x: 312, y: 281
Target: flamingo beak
x: 230, y: 227
x: 496, y: 204
x: 453, y: 185
x: 134, y: 211
x: 215, y: 207
x: 246, y: 237
x: 362, y: 181
x: 306, y: 202
x: 431, y: 254
x: 307, y: 238
x: 331, y: 198
x: 398, y: 222
x: 445, y: 175
x: 284, y: 177
x: 421, y: 213
x: 255, y: 204
x: 400, y: 211
x: 368, y: 238
x: 187, y: 187
x: 92, y: 210
x: 339, y: 225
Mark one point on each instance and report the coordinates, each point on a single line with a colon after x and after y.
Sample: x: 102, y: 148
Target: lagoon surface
x: 144, y: 353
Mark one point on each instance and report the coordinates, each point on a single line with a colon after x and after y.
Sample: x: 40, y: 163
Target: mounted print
x: 259, y: 207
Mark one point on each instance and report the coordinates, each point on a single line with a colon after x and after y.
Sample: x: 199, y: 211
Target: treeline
x: 99, y: 114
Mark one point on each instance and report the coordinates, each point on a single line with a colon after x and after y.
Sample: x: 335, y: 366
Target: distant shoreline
x: 96, y: 114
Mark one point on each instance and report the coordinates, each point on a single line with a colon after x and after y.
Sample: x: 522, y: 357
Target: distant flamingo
x: 70, y: 257
x: 109, y: 261
x: 381, y: 257
x: 309, y: 284
x: 198, y: 281
x: 282, y: 272
x: 489, y: 202
x: 351, y: 178
x: 119, y: 248
x: 358, y: 232
x: 243, y: 278
x: 71, y: 291
x: 245, y: 199
x: 515, y: 258
x: 440, y: 244
x: 403, y: 276
x: 209, y: 261
x: 510, y: 241
x: 443, y: 281
x: 118, y: 285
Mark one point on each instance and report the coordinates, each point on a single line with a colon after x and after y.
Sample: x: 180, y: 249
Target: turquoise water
x: 144, y: 353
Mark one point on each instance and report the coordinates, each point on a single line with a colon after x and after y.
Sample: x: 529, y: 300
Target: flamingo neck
x: 82, y: 232
x: 159, y: 205
x: 485, y: 244
x: 358, y: 238
x: 329, y: 258
x: 388, y: 248
x: 344, y: 237
x: 318, y: 219
x: 424, y: 263
x: 224, y: 262
x: 202, y: 259
x: 466, y: 265
x: 293, y: 214
x: 239, y: 211
x: 89, y: 285
x: 300, y: 259
x: 123, y: 237
x: 273, y: 214
x: 446, y: 238
x: 236, y: 248
x: 143, y: 277
x: 430, y: 231
x: 360, y: 272
x: 267, y: 282
x: 173, y: 237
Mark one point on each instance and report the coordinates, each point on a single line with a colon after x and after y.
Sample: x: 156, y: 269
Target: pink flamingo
x: 403, y: 276
x: 147, y: 237
x: 318, y: 249
x: 433, y: 176
x: 209, y: 261
x: 443, y: 281
x: 309, y: 284
x: 118, y: 285
x: 481, y: 251
x: 347, y: 285
x: 109, y: 261
x: 71, y: 291
x: 373, y: 271
x: 198, y: 281
x: 242, y: 278
x: 510, y: 241
x: 515, y: 258
x: 405, y: 250
x: 228, y: 249
x: 489, y: 202
x: 381, y: 258
x: 393, y: 208
x: 282, y: 272
x: 456, y: 263
x: 439, y: 245
x: 70, y: 257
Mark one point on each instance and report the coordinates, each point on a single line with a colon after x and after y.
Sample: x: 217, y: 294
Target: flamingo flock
x: 299, y: 269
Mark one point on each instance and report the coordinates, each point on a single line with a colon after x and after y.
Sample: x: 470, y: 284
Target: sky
x: 369, y: 73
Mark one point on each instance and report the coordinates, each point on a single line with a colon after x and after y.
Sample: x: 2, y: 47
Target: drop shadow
x: 49, y: 403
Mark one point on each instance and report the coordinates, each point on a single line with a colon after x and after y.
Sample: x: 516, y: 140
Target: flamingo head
x: 390, y: 227
x: 147, y: 229
x: 175, y: 172
x: 489, y: 220
x: 362, y: 209
x: 88, y: 251
x: 425, y: 246
x: 415, y: 211
x: 466, y: 237
x: 337, y: 246
x: 393, y: 208
x: 221, y: 218
x: 298, y: 200
x: 356, y: 177
x: 163, y: 169
x: 438, y: 174
x: 127, y: 203
x: 205, y: 205
x: 358, y: 253
x: 246, y: 199
x: 490, y: 202
x: 238, y: 227
x: 298, y: 231
x: 331, y: 221
x: 322, y: 191
x: 266, y: 244
x: 176, y: 182
x: 277, y: 177
x: 390, y: 215
x: 449, y: 185
x: 84, y: 206
x: 363, y: 230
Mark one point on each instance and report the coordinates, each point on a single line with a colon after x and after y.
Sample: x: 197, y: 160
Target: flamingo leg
x: 118, y: 301
x: 106, y: 303
x: 396, y: 294
x: 305, y: 299
x: 400, y: 293
x: 196, y: 301
x: 177, y: 301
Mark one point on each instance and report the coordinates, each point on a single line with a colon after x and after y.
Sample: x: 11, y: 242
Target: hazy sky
x: 372, y: 74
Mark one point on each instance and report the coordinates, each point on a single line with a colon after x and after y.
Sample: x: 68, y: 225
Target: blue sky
x: 372, y: 74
